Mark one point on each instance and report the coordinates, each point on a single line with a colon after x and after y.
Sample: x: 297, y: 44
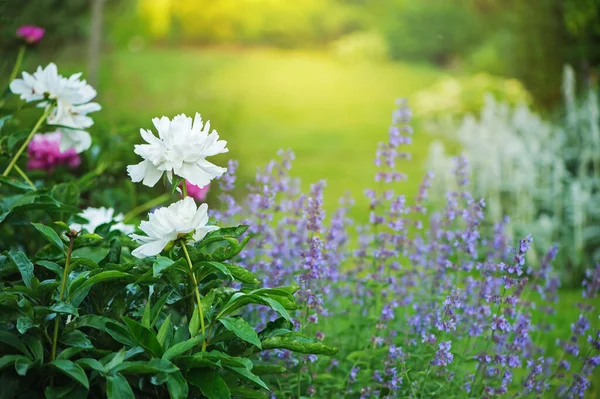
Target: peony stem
x: 24, y: 176
x: 17, y: 66
x: 198, y: 298
x: 184, y: 185
x: 148, y: 205
x: 14, y: 160
x: 63, y: 288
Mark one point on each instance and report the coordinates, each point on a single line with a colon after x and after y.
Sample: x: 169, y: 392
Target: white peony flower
x: 181, y: 148
x: 98, y: 216
x: 72, y: 97
x: 167, y: 223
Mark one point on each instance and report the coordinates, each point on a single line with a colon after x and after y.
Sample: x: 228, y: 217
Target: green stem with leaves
x: 17, y: 66
x: 14, y: 160
x: 198, y: 298
x: 63, y: 288
x: 24, y: 176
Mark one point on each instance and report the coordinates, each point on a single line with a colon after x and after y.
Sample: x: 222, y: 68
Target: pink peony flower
x: 30, y: 33
x: 198, y: 193
x: 44, y: 153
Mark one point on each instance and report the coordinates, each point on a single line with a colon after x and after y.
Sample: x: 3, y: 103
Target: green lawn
x: 331, y: 114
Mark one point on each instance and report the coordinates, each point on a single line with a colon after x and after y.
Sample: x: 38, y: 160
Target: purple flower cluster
x: 423, y: 303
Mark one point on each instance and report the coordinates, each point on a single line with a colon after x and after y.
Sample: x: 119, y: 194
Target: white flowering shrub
x: 544, y: 174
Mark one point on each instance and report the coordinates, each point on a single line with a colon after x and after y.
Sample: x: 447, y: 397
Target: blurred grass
x: 330, y: 113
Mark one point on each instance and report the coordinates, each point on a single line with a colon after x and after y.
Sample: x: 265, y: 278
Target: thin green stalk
x: 14, y: 160
x: 198, y: 298
x: 24, y: 176
x: 17, y: 66
x: 148, y: 205
x: 63, y: 288
x: 184, y: 185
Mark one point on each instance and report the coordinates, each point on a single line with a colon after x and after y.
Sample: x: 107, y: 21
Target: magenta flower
x: 44, y: 153
x: 198, y: 193
x: 30, y: 33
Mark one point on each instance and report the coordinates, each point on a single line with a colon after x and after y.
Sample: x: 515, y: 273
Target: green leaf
x: 77, y: 339
x: 278, y: 307
x: 13, y: 340
x: 24, y: 324
x: 8, y: 360
x: 214, y: 266
x: 117, y: 387
x: 50, y: 235
x: 243, y: 392
x: 22, y: 364
x: 146, y: 316
x: 165, y: 331
x: 68, y: 353
x: 67, y: 193
x: 194, y: 326
x: 161, y: 264
x: 72, y: 370
x: 23, y: 264
x: 153, y: 366
x: 64, y: 308
x: 210, y: 383
x: 241, y: 274
x: 114, y: 253
x: 51, y: 266
x: 177, y: 386
x: 93, y: 321
x: 92, y: 364
x: 9, y: 181
x: 120, y: 333
x: 297, y: 342
x: 183, y: 347
x: 144, y: 337
x: 35, y: 347
x: 241, y: 329
x: 265, y: 369
x: 246, y: 374
x: 79, y: 292
x: 117, y: 359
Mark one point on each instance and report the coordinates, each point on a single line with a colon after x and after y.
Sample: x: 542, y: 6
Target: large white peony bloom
x: 98, y: 216
x: 72, y: 96
x: 181, y: 148
x: 167, y: 223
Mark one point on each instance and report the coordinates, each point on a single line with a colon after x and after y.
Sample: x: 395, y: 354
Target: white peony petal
x: 152, y: 177
x: 151, y: 248
x: 201, y: 232
x: 138, y: 172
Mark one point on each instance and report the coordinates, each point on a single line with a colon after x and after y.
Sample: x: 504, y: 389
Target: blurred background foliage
x: 319, y: 76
